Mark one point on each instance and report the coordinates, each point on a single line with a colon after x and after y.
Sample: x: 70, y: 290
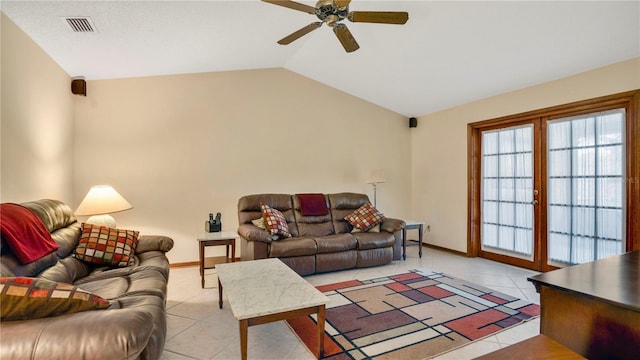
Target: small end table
x: 226, y: 238
x: 410, y: 225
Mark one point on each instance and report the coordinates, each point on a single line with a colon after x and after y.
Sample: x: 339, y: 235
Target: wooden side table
x: 410, y: 225
x: 226, y: 238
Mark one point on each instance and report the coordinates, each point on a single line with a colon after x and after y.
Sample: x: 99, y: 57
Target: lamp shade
x: 102, y: 199
x: 376, y: 177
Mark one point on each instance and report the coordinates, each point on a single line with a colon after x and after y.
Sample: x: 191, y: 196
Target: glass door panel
x: 507, y: 191
x: 586, y: 187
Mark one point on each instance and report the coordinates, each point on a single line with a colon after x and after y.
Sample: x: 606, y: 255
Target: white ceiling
x: 448, y: 53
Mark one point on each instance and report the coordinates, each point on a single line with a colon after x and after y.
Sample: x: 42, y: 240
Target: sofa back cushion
x: 312, y: 225
x: 61, y: 222
x: 343, y: 204
x: 249, y: 208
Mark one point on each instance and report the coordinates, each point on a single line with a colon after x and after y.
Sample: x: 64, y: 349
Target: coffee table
x: 264, y: 291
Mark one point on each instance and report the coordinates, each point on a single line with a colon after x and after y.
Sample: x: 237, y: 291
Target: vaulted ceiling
x: 448, y: 53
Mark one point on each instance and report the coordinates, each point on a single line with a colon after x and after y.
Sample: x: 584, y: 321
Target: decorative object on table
x: 413, y: 315
x: 376, y: 177
x: 100, y: 201
x: 213, y: 225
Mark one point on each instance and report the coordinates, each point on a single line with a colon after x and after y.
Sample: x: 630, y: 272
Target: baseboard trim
x: 190, y: 264
x: 461, y: 253
x: 184, y: 264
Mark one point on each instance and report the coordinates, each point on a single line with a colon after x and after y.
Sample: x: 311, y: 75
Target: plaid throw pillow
x: 365, y: 218
x: 275, y: 222
x: 102, y: 245
x: 31, y: 298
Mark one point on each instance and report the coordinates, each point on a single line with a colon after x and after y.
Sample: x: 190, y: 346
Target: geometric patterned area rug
x: 415, y: 315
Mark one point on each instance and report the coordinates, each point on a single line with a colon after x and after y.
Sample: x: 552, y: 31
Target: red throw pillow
x: 365, y: 218
x: 25, y: 233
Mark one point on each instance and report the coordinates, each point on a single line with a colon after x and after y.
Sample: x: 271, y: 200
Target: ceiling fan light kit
x: 333, y: 12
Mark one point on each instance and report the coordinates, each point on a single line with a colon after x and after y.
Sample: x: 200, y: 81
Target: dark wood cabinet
x: 594, y: 308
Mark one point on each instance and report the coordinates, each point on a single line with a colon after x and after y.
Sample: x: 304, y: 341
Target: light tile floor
x: 198, y: 329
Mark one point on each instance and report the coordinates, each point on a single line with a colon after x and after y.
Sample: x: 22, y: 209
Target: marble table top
x: 264, y: 287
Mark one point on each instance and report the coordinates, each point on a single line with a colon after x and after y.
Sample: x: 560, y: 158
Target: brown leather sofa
x: 318, y: 243
x: 133, y: 327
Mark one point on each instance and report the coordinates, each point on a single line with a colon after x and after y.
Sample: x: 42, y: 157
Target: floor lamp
x: 376, y: 177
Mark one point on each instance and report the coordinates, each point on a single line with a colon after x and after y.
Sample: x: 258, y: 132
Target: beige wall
x: 36, y: 122
x: 439, y: 144
x: 178, y: 147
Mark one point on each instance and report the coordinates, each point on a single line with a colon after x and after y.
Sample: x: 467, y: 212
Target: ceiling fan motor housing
x: 326, y: 10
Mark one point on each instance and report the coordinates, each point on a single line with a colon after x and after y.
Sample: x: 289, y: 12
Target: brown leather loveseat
x: 132, y: 327
x: 318, y: 243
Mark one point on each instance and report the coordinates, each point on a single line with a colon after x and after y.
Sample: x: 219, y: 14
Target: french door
x: 555, y: 187
x: 509, y: 192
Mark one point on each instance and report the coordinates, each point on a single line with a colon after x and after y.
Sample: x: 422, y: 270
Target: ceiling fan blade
x: 341, y: 4
x: 346, y: 39
x: 382, y: 17
x: 293, y: 5
x: 298, y: 34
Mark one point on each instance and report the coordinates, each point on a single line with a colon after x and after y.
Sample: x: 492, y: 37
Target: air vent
x: 80, y: 24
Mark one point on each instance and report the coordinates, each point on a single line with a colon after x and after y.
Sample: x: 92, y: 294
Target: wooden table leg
x: 420, y: 240
x: 321, y: 318
x: 202, y: 264
x: 219, y: 294
x: 233, y: 250
x: 244, y: 328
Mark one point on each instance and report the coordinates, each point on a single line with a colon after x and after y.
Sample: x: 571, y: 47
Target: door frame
x: 629, y: 100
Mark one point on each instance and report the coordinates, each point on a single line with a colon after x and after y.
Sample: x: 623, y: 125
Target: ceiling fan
x: 332, y: 12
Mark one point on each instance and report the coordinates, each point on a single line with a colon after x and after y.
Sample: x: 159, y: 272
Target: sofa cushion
x: 30, y: 298
x: 60, y: 221
x: 336, y: 261
x: 275, y: 221
x: 103, y: 245
x: 368, y: 240
x: 374, y: 257
x: 293, y: 247
x: 312, y: 225
x: 67, y: 239
x: 343, y: 204
x: 116, y: 283
x: 365, y: 217
x: 67, y: 270
x: 336, y: 243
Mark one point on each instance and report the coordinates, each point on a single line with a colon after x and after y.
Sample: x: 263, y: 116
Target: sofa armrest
x: 154, y: 242
x: 251, y: 232
x: 392, y: 225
